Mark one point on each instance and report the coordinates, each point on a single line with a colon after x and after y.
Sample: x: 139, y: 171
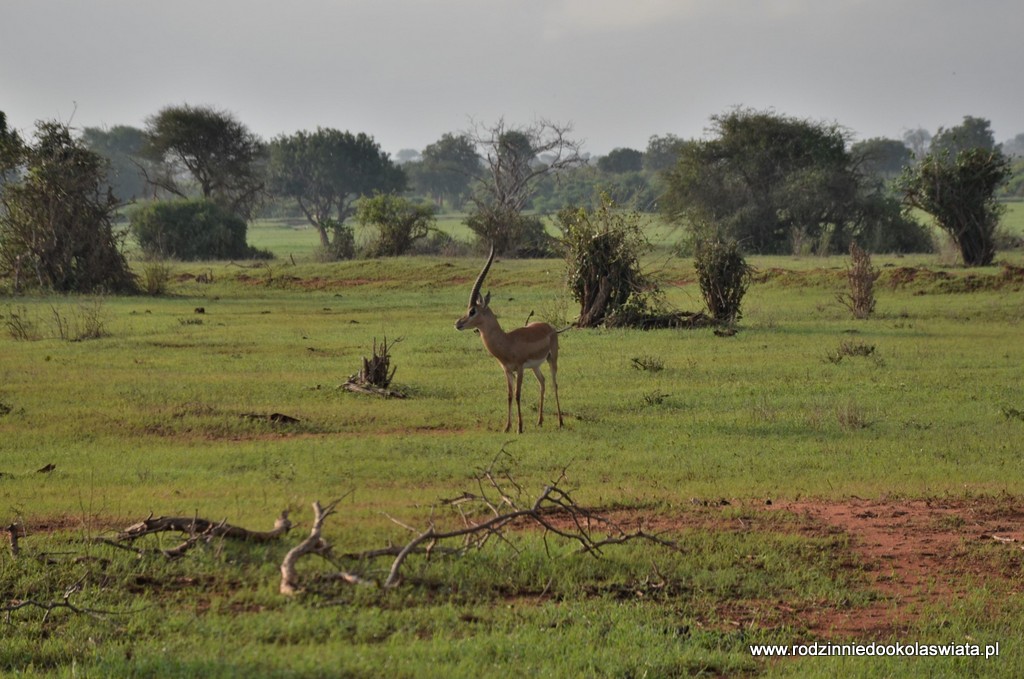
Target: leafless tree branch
x: 314, y: 544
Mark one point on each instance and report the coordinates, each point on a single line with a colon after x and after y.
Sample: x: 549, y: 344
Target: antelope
x: 525, y: 347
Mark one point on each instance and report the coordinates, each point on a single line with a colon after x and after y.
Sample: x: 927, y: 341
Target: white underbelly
x: 534, y: 363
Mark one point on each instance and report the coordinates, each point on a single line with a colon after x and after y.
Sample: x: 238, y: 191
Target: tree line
x: 768, y: 182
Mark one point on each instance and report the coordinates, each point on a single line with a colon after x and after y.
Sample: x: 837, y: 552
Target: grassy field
x: 920, y: 403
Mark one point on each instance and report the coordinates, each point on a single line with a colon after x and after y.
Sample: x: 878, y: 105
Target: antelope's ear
x: 487, y: 299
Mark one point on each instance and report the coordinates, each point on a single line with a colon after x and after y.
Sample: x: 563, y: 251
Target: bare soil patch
x: 919, y: 553
x: 914, y: 554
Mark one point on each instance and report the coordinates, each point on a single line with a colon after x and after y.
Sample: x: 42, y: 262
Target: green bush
x: 723, y: 275
x: 602, y: 250
x: 398, y: 221
x: 342, y: 244
x: 191, y: 230
x: 512, y: 234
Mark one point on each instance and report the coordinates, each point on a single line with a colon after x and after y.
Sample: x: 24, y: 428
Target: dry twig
x: 50, y: 606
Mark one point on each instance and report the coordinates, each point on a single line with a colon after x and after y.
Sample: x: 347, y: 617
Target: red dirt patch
x: 914, y: 554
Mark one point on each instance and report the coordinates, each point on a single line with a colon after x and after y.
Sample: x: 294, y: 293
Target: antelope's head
x: 478, y: 305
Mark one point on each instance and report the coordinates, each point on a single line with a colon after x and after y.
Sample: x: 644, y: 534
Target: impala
x: 525, y: 347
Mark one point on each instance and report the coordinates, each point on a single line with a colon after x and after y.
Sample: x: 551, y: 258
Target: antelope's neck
x: 494, y: 338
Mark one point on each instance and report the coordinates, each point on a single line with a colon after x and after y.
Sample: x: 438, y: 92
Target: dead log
x: 273, y: 418
x: 196, y: 526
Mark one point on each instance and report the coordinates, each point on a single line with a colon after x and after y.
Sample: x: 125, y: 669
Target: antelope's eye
x: 472, y: 311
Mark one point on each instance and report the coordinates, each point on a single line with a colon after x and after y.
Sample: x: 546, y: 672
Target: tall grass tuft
x: 861, y: 277
x: 155, y: 277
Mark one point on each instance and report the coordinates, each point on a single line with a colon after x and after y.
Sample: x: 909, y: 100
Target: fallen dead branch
x: 661, y: 320
x: 357, y: 387
x: 499, y: 499
x: 196, y: 525
x: 273, y: 418
x: 498, y: 505
x: 197, y: 529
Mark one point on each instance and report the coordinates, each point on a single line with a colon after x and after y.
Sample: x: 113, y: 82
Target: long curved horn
x: 480, y: 279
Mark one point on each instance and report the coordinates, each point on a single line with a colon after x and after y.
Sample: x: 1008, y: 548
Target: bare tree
x: 515, y: 159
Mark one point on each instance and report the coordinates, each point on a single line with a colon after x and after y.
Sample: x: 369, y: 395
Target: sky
x: 618, y: 71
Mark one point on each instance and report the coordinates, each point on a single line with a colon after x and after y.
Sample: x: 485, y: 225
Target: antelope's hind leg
x: 553, y: 362
x: 540, y: 406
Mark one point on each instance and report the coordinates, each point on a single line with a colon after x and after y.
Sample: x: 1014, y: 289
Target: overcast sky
x: 408, y: 71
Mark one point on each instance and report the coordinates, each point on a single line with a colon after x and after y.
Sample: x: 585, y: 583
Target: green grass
x: 1013, y: 218
x: 149, y: 418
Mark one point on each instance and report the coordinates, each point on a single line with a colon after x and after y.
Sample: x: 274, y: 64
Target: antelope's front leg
x: 508, y: 382
x: 519, y: 391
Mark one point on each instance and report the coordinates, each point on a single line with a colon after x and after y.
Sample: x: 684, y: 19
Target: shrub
x: 341, y: 246
x: 21, y: 326
x: 155, y: 276
x: 191, y: 229
x: 724, y: 276
x: 56, y: 219
x: 602, y: 251
x: 399, y: 222
x: 886, y: 227
x: 513, y: 235
x: 861, y: 277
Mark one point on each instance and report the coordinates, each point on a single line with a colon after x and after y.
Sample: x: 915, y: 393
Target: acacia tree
x: 448, y: 167
x: 214, y: 149
x: 960, y: 193
x: 917, y: 140
x: 621, y: 160
x: 972, y: 133
x: 122, y: 146
x: 881, y: 159
x: 56, y: 219
x: 326, y: 172
x: 776, y: 184
x: 516, y: 159
x: 10, y: 148
x: 662, y: 152
x: 770, y: 182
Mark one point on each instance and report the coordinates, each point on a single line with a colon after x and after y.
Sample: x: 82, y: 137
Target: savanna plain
x: 811, y: 478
